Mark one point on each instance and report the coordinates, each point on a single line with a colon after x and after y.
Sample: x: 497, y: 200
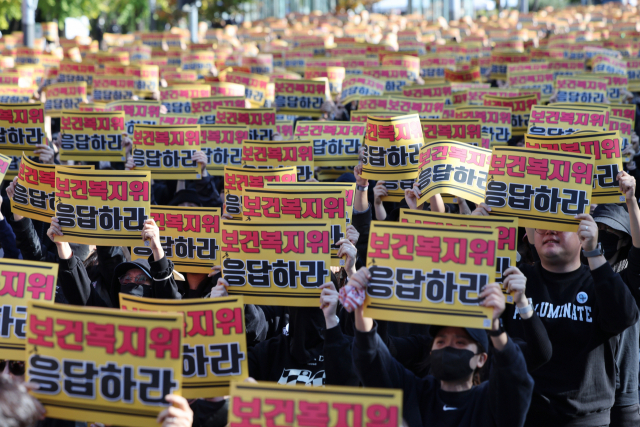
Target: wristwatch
x: 361, y: 188
x: 497, y: 333
x: 594, y: 253
x: 527, y: 309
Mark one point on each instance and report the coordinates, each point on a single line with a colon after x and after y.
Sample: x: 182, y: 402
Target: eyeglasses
x: 138, y: 280
x: 16, y: 367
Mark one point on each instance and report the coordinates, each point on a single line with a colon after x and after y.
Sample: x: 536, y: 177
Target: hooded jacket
x: 79, y: 289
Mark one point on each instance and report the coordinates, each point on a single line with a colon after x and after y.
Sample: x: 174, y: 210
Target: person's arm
x: 536, y: 346
x: 337, y: 347
x: 379, y: 191
x: 628, y: 188
x: 510, y: 386
x: 109, y: 257
x: 360, y: 200
x: 72, y: 276
x: 8, y: 238
x: 616, y: 307
x: 164, y: 285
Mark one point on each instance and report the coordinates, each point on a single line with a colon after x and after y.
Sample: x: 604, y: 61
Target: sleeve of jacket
x: 409, y: 350
x: 108, y: 259
x: 510, y: 386
x: 375, y: 366
x: 616, y: 307
x: 536, y: 346
x: 338, y: 365
x: 8, y: 240
x: 362, y: 223
x: 164, y: 285
x: 632, y: 273
x: 27, y: 240
x: 74, y: 281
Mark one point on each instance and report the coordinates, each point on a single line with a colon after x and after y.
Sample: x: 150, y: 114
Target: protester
x: 583, y: 308
x: 448, y: 397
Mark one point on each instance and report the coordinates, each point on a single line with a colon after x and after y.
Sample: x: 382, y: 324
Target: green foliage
x: 9, y: 9
x: 61, y: 9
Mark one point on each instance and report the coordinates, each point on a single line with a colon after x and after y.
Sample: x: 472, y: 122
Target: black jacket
x: 502, y: 401
x: 79, y: 289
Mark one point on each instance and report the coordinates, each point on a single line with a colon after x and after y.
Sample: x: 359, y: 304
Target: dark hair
x: 17, y: 407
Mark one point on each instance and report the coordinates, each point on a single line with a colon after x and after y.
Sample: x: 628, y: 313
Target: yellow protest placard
x: 167, y: 151
x: 177, y: 98
x: 146, y: 77
x: 200, y: 61
x: 34, y: 195
x: 227, y: 89
x: 260, y: 404
x: 206, y: 108
x: 190, y: 237
x: 21, y: 128
x: 64, y: 96
x: 456, y: 262
x: 543, y: 189
x: 391, y: 148
x: 236, y: 179
x: 214, y: 343
x: 14, y: 94
x: 261, y: 121
x: 223, y: 146
x: 285, y: 128
x: 582, y: 88
x: 102, y: 207
x: 319, y: 203
x: 544, y: 81
x: 113, y: 87
x: 462, y: 130
x: 103, y: 364
x: 272, y: 154
x: 278, y: 262
x: 141, y: 112
x: 506, y: 253
x: 361, y: 116
x: 625, y: 128
x: 356, y: 86
x: 496, y: 121
x: 92, y: 136
x: 433, y: 66
x: 255, y: 86
x: 554, y: 120
x: 20, y: 282
x: 616, y: 86
x: 453, y: 167
x: 605, y: 146
x: 627, y: 111
x: 426, y: 108
x: 520, y: 110
x: 5, y: 163
x: 475, y: 96
x: 300, y: 97
x: 430, y: 90
x: 334, y: 143
x: 70, y: 71
x: 176, y: 119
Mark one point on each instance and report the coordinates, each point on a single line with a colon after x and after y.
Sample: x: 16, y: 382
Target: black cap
x: 186, y: 196
x: 478, y: 335
x: 615, y: 216
x: 123, y: 267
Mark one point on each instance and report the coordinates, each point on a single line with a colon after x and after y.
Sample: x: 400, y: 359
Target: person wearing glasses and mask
x: 584, y: 307
x: 153, y: 278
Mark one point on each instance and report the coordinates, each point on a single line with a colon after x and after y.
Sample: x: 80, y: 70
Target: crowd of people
x: 565, y: 354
